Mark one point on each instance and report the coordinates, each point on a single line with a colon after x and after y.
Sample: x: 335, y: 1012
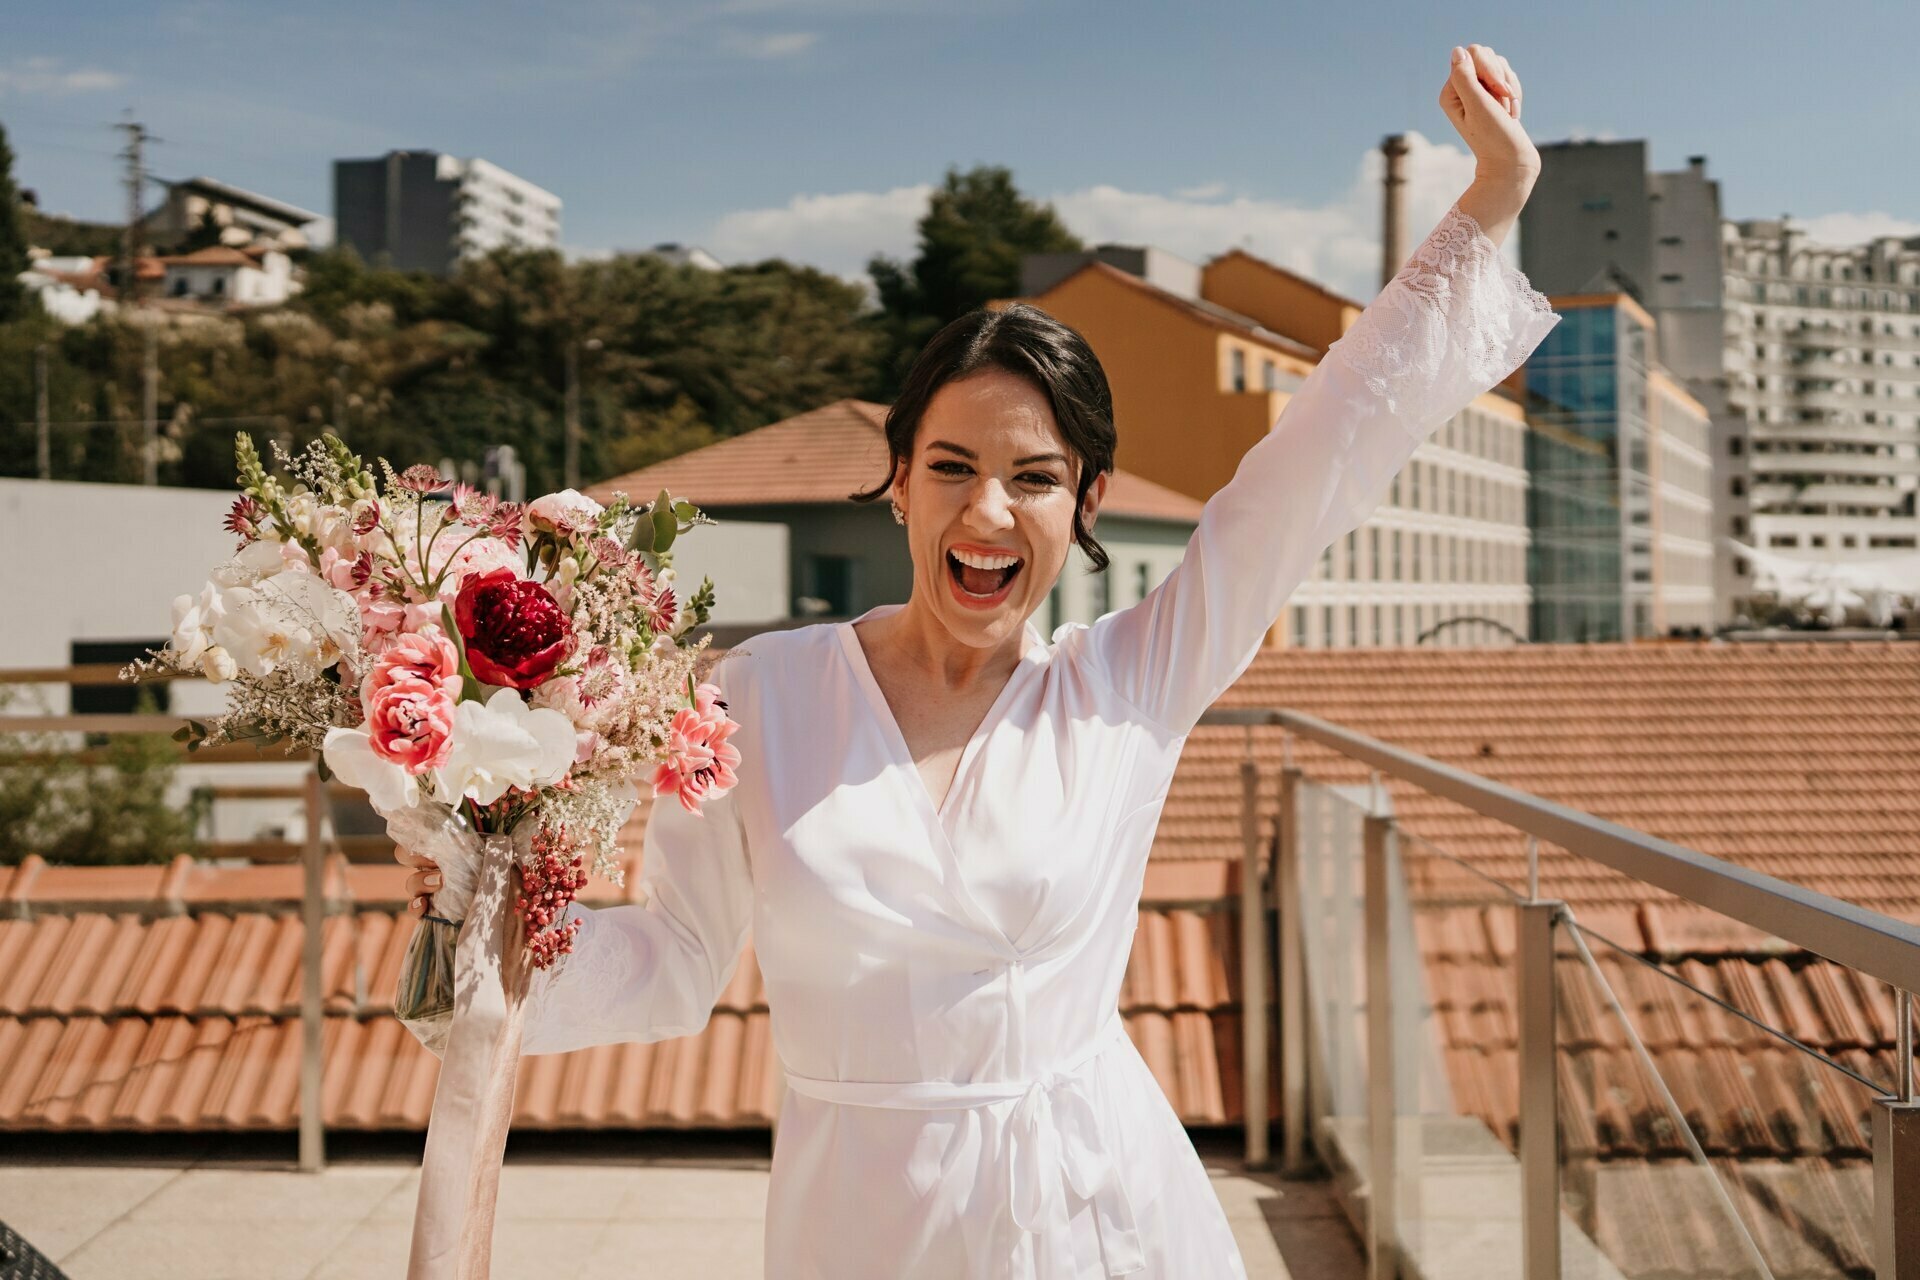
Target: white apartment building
x: 425, y: 211
x: 1822, y: 359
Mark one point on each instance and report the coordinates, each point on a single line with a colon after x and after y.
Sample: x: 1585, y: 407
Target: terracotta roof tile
x: 823, y: 455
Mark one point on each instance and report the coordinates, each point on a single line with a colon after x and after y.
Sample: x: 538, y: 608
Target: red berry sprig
x: 550, y: 879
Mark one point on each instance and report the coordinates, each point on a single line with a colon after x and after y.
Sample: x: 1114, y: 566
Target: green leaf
x: 664, y: 524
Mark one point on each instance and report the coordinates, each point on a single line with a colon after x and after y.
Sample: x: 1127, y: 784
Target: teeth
x: 984, y: 562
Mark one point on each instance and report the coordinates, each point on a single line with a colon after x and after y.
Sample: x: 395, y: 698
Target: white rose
x: 568, y: 511
x: 503, y: 743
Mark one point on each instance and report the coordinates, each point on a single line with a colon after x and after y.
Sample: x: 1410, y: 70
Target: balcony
x: 1656, y: 1042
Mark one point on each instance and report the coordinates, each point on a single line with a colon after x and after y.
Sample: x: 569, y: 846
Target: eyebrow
x: 969, y: 454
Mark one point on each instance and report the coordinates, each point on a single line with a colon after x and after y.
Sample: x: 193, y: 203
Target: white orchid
x: 502, y: 743
x: 193, y: 625
x: 349, y: 753
x: 286, y: 618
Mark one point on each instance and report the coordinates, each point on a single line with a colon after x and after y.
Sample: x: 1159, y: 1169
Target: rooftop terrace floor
x: 618, y: 1205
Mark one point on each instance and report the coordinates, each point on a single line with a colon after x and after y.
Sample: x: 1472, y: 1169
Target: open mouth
x: 982, y: 579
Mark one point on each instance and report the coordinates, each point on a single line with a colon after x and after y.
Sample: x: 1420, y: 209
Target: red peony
x: 516, y: 632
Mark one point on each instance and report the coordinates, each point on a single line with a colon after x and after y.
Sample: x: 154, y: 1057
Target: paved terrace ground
x: 184, y: 1207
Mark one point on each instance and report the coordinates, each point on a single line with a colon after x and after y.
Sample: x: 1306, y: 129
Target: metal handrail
x: 1863, y: 940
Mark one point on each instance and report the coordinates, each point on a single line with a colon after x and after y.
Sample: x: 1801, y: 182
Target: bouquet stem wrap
x: 480, y: 1055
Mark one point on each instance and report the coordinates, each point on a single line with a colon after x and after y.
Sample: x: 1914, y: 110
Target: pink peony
x: 700, y: 761
x: 410, y: 721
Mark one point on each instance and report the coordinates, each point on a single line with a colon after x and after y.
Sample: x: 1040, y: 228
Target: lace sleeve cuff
x: 1456, y: 320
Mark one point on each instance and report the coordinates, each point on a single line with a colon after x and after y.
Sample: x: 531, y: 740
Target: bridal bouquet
x: 491, y: 674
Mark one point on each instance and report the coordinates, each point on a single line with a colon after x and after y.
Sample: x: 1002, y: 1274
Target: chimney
x: 1393, y: 241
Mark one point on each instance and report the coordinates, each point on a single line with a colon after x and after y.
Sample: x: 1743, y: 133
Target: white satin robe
x: 963, y: 1100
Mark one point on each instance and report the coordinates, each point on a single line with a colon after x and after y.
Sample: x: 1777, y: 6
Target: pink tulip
x: 410, y: 723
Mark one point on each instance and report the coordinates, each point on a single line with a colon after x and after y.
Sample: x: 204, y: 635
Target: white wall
x: 102, y: 562
x: 747, y: 561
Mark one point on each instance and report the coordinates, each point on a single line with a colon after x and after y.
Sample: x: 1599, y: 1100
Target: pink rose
x: 700, y: 761
x: 410, y: 722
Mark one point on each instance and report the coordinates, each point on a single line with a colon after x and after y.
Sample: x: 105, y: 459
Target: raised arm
x: 1453, y: 323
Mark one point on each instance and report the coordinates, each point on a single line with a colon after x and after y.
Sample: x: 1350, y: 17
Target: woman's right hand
x: 422, y: 882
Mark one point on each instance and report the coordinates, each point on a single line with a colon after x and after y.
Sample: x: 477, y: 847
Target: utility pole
x: 150, y: 408
x: 43, y: 438
x: 137, y: 138
x: 1393, y: 242
x: 571, y: 467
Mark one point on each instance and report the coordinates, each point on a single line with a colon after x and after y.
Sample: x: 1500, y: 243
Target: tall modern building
x: 424, y: 211
x: 1619, y: 502
x: 1806, y: 356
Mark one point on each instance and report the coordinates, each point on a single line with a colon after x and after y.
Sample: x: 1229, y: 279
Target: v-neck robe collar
x: 901, y: 765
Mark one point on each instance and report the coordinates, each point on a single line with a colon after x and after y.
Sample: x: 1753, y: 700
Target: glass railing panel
x: 1733, y: 1139
x: 1454, y: 1181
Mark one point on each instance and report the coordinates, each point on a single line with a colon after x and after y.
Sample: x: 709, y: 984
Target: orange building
x: 1201, y: 364
x: 1194, y: 384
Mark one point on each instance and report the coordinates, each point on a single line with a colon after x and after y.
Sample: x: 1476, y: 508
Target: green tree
x: 976, y: 230
x: 14, y: 299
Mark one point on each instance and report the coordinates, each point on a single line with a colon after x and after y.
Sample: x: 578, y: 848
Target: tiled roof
x: 1211, y: 314
x: 822, y: 456
x: 123, y: 1021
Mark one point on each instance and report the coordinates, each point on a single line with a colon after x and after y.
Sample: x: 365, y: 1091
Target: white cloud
x: 772, y: 44
x: 836, y: 233
x: 1856, y: 228
x: 1336, y: 243
x: 1205, y: 191
x: 44, y: 75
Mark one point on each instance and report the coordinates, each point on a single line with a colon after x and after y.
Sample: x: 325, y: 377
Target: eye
x: 1042, y: 478
x: 958, y: 468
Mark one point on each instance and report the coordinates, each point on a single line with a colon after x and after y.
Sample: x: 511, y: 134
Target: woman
x: 940, y: 832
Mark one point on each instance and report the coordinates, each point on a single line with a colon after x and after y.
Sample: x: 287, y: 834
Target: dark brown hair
x: 1025, y: 341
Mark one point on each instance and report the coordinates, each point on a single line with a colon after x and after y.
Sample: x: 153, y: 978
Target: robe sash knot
x: 1054, y: 1143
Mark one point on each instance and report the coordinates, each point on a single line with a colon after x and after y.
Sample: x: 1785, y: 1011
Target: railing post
x: 1539, y: 1089
x: 1383, y: 1180
x: 313, y: 1154
x: 1896, y: 1189
x: 1293, y: 981
x: 1896, y: 1162
x: 1253, y: 966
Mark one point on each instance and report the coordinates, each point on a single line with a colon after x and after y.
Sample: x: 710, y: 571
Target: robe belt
x: 1053, y: 1142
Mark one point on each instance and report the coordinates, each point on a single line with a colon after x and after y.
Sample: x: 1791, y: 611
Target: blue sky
x: 811, y: 127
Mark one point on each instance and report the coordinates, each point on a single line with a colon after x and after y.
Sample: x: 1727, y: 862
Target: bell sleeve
x: 651, y: 970
x: 1454, y: 322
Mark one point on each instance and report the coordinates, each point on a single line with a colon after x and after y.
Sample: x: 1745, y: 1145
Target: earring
x: 899, y: 516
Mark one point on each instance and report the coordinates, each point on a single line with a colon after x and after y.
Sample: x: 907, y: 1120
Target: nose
x: 990, y: 507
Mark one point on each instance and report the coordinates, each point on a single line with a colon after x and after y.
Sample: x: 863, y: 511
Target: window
x: 830, y: 579
x: 1269, y: 375
x: 1373, y: 554
x: 1238, y: 362
x: 1142, y: 583
x: 1102, y: 584
x: 115, y: 699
